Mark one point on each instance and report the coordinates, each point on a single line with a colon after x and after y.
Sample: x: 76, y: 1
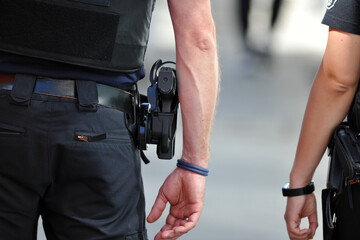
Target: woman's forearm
x: 328, y: 104
x: 329, y: 101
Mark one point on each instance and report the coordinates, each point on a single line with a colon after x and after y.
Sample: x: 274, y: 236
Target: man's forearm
x: 197, y: 68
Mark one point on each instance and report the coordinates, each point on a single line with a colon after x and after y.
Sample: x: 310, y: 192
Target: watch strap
x: 292, y: 192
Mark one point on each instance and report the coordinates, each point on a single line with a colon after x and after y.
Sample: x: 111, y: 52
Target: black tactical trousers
x: 347, y: 208
x: 79, y: 170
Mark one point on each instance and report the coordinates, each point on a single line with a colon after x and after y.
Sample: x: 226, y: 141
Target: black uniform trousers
x: 347, y: 208
x: 79, y: 170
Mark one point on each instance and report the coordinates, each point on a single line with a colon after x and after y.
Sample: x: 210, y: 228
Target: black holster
x: 344, y: 153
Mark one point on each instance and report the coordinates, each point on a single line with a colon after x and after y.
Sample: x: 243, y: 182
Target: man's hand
x: 184, y: 190
x: 296, y: 209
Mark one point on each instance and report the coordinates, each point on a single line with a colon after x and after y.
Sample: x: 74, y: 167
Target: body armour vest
x: 102, y: 34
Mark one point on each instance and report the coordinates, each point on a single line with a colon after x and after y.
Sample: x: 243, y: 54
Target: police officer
x: 68, y: 69
x: 330, y: 99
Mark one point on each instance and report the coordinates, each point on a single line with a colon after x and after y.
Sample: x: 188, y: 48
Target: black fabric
x: 58, y: 29
x: 347, y: 218
x: 327, y: 214
x: 92, y: 33
x: 84, y: 190
x: 354, y: 112
x: 343, y: 15
x: 95, y: 2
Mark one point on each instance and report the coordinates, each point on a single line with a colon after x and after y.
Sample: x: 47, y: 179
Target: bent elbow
x: 341, y: 82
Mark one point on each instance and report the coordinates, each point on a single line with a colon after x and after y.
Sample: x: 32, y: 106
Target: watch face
x: 331, y: 4
x: 286, y: 186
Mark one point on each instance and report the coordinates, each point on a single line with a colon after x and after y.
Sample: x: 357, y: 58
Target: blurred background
x: 266, y: 77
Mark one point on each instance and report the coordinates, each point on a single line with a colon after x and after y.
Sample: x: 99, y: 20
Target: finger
x: 302, y: 234
x: 295, y: 231
x: 184, y: 228
x: 176, y: 231
x: 170, y: 234
x: 171, y: 219
x: 189, y: 224
x: 158, y: 207
x: 166, y: 227
x: 313, y: 224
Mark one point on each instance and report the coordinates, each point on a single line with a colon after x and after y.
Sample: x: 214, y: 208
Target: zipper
x: 81, y: 137
x: 84, y: 138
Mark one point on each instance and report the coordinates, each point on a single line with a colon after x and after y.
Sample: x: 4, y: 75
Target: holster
x: 344, y: 165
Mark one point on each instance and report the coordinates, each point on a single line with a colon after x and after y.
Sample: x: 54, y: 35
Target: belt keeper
x: 88, y: 95
x: 22, y: 89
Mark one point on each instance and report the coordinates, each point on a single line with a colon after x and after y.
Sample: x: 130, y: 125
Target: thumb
x: 158, y: 207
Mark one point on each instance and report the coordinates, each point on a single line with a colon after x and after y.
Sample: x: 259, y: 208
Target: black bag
x: 344, y: 153
x: 345, y: 157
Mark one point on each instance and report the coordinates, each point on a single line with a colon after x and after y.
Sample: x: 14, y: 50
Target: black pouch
x: 344, y: 153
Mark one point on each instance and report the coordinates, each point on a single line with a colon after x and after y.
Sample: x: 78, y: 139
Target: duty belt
x: 107, y: 96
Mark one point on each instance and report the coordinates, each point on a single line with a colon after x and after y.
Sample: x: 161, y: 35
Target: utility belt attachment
x: 344, y: 152
x: 344, y: 170
x: 157, y: 113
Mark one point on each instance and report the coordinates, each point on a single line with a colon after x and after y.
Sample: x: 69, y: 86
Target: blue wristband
x: 192, y: 167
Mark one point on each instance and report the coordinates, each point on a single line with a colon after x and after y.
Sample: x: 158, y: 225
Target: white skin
x: 330, y: 98
x: 198, y: 73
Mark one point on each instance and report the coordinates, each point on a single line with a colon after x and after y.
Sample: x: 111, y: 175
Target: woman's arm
x: 329, y: 101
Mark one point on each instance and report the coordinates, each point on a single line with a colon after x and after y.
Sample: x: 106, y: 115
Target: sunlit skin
x: 197, y: 69
x: 330, y: 98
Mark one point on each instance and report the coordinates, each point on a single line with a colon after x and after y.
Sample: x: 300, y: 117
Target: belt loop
x: 22, y: 89
x: 88, y: 95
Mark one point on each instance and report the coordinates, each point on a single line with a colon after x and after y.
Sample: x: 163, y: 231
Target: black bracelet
x: 293, y: 192
x: 192, y: 167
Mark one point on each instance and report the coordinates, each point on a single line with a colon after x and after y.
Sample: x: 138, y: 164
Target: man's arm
x: 197, y: 69
x: 329, y: 101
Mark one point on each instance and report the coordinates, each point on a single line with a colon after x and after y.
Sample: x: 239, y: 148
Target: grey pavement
x: 258, y: 120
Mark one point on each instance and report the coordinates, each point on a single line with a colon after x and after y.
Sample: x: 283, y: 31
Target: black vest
x: 102, y: 34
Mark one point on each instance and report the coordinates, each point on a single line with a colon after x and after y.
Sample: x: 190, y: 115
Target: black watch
x: 292, y: 192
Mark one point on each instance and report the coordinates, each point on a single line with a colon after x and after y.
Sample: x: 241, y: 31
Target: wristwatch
x: 292, y: 192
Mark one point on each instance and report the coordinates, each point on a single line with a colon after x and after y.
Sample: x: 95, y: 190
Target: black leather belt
x: 107, y: 96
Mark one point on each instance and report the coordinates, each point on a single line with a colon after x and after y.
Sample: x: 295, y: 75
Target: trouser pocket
x: 8, y: 130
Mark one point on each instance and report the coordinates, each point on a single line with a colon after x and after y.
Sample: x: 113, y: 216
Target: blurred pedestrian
x: 330, y: 99
x: 244, y: 12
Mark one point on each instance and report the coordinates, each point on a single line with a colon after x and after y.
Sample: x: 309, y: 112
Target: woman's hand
x: 297, y: 208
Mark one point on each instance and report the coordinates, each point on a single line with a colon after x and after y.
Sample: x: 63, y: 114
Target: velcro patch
x: 56, y: 28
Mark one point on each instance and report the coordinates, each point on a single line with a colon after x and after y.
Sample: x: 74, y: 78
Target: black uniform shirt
x: 343, y: 15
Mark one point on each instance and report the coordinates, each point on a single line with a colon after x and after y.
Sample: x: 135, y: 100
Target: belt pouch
x: 88, y: 95
x: 22, y: 89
